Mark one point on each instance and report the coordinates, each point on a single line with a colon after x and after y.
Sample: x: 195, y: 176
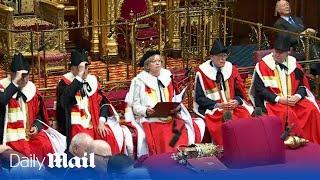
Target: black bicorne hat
x: 78, y: 57
x: 147, y: 55
x: 282, y: 43
x: 19, y: 63
x: 218, y: 48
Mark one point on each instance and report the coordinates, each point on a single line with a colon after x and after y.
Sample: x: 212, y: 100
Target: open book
x: 165, y: 109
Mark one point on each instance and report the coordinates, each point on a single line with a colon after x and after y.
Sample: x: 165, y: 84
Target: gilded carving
x: 27, y: 6
x: 95, y: 41
x: 86, y: 19
x: 112, y: 44
x: 48, y: 15
x: 176, y: 30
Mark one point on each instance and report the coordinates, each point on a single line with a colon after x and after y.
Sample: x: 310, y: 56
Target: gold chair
x: 23, y: 32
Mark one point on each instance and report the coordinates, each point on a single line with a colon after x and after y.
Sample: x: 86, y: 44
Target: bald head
x: 100, y: 147
x: 79, y: 144
x: 283, y: 8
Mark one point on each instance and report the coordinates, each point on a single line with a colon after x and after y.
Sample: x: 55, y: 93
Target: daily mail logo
x: 56, y: 160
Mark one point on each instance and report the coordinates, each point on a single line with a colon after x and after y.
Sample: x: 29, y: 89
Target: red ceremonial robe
x: 144, y: 92
x: 304, y: 116
x: 206, y: 74
x: 20, y: 117
x: 80, y: 123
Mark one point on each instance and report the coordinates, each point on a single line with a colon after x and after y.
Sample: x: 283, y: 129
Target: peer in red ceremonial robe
x: 280, y: 88
x: 219, y: 92
x: 154, y: 134
x: 83, y: 107
x: 21, y: 109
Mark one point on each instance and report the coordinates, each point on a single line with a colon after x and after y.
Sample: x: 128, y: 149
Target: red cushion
x: 53, y: 56
x: 51, y: 113
x: 51, y: 109
x: 253, y: 142
x: 244, y: 75
x: 117, y: 97
x: 49, y: 103
x: 145, y: 34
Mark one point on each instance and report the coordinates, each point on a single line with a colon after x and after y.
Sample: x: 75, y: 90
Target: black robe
x: 65, y: 100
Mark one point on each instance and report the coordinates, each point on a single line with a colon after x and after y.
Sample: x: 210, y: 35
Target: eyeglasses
x: 156, y: 61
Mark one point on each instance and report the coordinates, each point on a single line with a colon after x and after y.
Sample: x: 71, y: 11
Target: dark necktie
x: 220, y: 79
x: 294, y: 23
x: 20, y: 94
x: 291, y: 21
x: 160, y: 85
x: 282, y: 66
x: 87, y: 86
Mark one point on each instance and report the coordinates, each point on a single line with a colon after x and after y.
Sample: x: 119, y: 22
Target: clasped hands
x: 290, y: 100
x: 231, y: 105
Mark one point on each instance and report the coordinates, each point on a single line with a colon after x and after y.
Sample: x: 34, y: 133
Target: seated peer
x: 81, y: 105
x: 154, y: 84
x: 295, y: 24
x: 219, y: 91
x: 21, y: 106
x: 289, y: 22
x: 281, y: 89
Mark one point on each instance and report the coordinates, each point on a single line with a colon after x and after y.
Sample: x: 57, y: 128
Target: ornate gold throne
x: 146, y: 34
x: 32, y: 30
x: 16, y: 30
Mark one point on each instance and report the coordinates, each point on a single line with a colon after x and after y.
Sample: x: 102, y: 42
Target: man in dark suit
x: 289, y: 22
x: 295, y: 24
